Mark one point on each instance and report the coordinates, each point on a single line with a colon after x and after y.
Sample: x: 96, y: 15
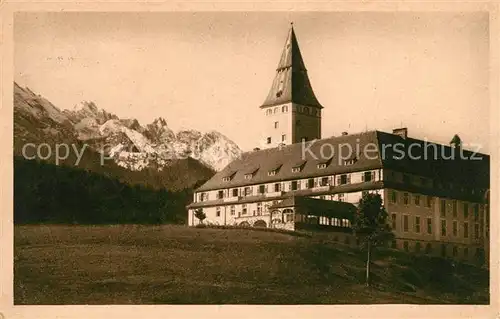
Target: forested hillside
x: 47, y: 193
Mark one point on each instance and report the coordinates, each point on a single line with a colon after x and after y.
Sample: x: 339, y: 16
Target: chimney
x: 456, y: 141
x: 344, y: 133
x: 402, y: 132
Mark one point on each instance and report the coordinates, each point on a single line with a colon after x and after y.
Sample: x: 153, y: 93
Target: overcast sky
x: 427, y: 72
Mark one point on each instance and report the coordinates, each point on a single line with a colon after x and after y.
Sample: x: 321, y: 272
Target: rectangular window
x: 443, y: 227
x: 417, y: 224
x: 217, y: 211
x: 269, y: 140
x: 233, y: 209
x: 394, y: 197
x: 429, y: 225
x: 405, y: 223
x: 235, y: 192
x: 442, y: 207
x: 325, y: 181
x: 455, y: 209
x: 443, y: 250
x: 405, y: 245
x: 455, y: 228
x: 428, y: 202
x: 277, y: 187
x: 262, y: 189
x: 340, y: 197
x: 220, y: 194
x: 259, y: 208
x: 367, y: 176
x: 310, y: 183
x: 204, y: 196
x: 455, y: 251
x: 294, y: 186
x: 343, y: 179
x: 248, y: 191
x: 406, y: 198
x: 417, y: 200
x: 283, y: 138
x: 466, y: 230
x: 393, y: 221
x: 466, y: 210
x: 276, y: 124
x: 244, y: 209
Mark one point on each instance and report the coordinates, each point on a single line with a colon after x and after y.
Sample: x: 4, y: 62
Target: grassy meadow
x: 134, y: 264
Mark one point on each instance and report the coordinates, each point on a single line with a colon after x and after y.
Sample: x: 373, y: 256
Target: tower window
x: 284, y: 109
x: 269, y: 140
x: 275, y: 110
x: 306, y: 110
x: 276, y: 124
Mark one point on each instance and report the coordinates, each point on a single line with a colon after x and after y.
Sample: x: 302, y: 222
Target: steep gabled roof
x: 291, y: 83
x: 383, y: 153
x: 288, y: 157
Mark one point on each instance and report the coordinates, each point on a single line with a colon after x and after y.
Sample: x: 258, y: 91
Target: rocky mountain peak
x: 135, y: 147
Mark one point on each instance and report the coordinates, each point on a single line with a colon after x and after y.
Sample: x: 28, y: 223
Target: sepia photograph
x: 251, y: 158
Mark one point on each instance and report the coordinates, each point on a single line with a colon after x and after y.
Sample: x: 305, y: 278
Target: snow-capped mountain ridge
x: 130, y: 144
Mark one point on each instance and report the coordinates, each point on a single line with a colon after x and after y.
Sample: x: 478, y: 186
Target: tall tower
x: 291, y: 111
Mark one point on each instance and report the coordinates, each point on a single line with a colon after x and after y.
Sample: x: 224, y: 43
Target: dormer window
x: 350, y: 161
x: 250, y: 173
x: 322, y: 164
x: 297, y: 167
x: 228, y: 177
x: 274, y: 170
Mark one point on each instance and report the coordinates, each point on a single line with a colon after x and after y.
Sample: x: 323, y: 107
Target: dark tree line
x: 46, y: 193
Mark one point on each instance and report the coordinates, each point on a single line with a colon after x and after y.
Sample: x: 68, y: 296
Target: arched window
x: 306, y: 110
x: 275, y: 110
x: 269, y: 111
x: 284, y: 109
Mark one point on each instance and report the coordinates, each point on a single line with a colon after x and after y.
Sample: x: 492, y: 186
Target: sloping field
x: 129, y: 264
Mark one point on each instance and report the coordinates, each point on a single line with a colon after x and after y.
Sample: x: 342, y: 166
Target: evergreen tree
x: 370, y: 226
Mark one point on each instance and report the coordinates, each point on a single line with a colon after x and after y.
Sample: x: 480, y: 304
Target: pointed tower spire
x: 291, y: 83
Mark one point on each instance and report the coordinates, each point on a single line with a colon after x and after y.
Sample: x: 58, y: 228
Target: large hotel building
x: 436, y: 195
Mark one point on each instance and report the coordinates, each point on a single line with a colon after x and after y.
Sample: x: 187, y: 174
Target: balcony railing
x: 232, y: 199
x: 275, y: 194
x: 322, y: 188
